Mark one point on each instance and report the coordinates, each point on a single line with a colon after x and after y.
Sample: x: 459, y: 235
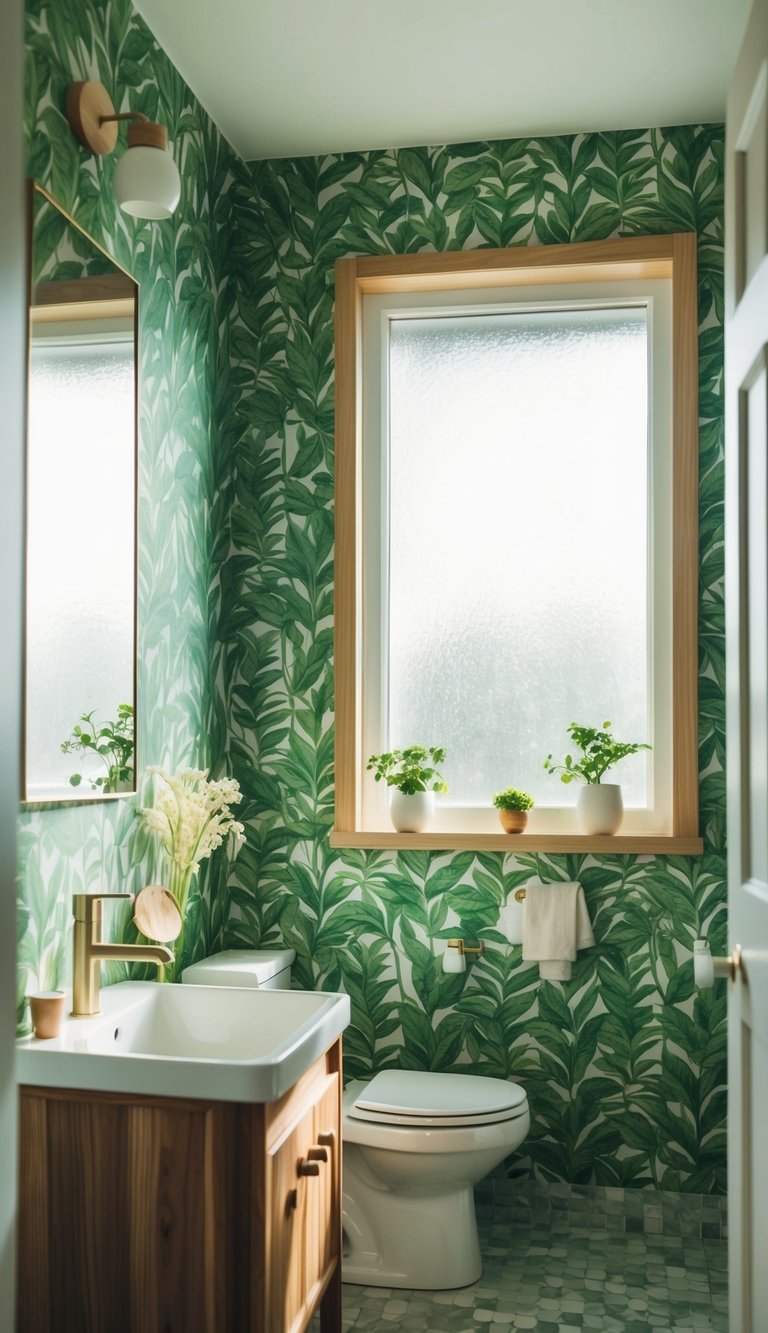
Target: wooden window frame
x: 636, y: 258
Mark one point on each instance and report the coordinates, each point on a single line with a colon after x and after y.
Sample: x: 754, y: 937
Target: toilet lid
x: 409, y: 1097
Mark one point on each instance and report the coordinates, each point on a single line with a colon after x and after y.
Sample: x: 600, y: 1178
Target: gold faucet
x: 91, y: 952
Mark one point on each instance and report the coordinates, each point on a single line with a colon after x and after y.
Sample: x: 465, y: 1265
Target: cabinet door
x: 127, y: 1209
x: 287, y: 1196
x: 323, y: 1216
x: 303, y: 1210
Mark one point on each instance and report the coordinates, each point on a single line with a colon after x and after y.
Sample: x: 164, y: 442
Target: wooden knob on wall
x: 309, y: 1169
x: 327, y: 1137
x: 317, y: 1155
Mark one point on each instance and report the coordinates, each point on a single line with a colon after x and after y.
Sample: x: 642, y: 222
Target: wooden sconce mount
x: 94, y: 120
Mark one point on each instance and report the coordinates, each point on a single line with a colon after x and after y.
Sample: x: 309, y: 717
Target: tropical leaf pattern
x: 185, y: 305
x: 625, y: 1064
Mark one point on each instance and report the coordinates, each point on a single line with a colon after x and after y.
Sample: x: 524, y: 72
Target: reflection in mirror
x: 81, y: 516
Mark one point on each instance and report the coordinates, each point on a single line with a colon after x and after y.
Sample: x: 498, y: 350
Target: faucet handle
x: 87, y: 906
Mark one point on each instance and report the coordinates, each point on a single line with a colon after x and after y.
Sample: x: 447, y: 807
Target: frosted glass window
x: 518, y: 542
x: 80, y: 549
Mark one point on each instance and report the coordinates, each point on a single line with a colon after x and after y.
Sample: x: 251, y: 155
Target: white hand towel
x: 555, y: 925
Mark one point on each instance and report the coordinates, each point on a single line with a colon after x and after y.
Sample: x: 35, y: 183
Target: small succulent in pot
x: 412, y: 774
x: 513, y: 806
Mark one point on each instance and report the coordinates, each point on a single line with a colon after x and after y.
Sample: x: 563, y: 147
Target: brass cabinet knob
x: 317, y: 1155
x: 309, y: 1169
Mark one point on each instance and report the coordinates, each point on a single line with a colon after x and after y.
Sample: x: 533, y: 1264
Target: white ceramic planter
x: 411, y: 814
x: 600, y: 807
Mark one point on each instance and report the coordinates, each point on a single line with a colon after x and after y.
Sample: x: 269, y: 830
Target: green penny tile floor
x: 560, y: 1282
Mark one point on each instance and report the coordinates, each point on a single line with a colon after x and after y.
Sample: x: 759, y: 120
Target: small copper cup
x: 47, y: 1011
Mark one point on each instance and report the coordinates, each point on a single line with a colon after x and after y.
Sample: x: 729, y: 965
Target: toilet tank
x: 268, y: 969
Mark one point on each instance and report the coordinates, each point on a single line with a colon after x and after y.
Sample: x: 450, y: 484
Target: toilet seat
x: 427, y: 1100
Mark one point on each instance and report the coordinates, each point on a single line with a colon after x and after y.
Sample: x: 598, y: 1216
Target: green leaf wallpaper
x: 185, y: 304
x: 625, y: 1065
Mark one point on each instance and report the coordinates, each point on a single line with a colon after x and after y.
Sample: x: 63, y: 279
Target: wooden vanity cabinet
x: 159, y: 1215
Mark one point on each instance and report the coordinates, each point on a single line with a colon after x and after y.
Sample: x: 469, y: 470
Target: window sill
x: 633, y: 844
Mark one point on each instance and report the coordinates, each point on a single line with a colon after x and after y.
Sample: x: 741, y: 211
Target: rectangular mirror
x: 81, y: 541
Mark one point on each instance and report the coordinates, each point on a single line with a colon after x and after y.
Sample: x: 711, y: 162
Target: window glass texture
x: 517, y: 541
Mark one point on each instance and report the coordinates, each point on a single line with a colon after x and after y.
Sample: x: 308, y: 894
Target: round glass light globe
x: 147, y: 183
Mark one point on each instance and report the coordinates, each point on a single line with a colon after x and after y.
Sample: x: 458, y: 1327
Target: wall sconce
x: 147, y: 183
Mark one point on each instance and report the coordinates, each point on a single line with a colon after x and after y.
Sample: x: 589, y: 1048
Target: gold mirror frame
x: 117, y: 295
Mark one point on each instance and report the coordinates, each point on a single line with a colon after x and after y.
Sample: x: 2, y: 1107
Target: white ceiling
x: 286, y: 78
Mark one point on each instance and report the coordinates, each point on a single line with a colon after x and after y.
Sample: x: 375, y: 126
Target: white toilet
x: 414, y: 1146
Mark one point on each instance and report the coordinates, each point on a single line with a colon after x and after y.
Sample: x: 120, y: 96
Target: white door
x: 746, y: 386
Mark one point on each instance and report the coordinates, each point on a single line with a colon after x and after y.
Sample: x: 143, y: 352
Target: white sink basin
x: 189, y: 1041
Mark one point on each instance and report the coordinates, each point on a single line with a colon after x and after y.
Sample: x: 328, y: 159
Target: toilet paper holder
x: 463, y: 948
x: 706, y: 968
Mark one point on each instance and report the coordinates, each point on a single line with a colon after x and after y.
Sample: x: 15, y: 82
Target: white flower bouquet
x: 192, y: 816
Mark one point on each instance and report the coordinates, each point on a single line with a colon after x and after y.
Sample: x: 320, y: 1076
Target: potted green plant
x: 413, y: 779
x: 513, y: 807
x: 112, y: 743
x: 600, y: 804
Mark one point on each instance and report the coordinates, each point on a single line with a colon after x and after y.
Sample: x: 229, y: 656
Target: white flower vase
x: 600, y: 807
x: 411, y: 813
